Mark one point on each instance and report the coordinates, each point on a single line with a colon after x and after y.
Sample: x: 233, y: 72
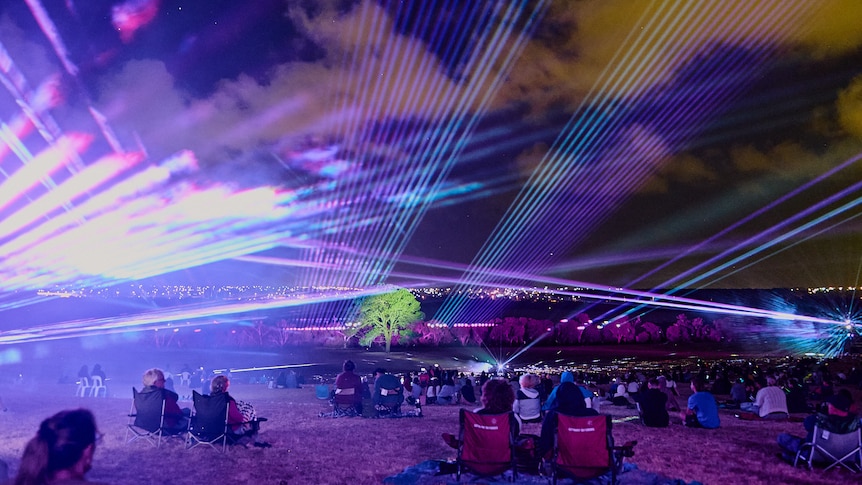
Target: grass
x: 308, y: 449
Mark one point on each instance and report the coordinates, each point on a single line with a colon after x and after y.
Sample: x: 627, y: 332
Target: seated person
x: 467, y: 391
x: 566, y: 376
x: 797, y: 396
x: 176, y: 419
x: 415, y: 392
x: 621, y: 397
x: 702, y: 411
x: 241, y: 417
x: 670, y: 392
x: 837, y: 419
x: 348, y: 387
x: 235, y: 419
x: 387, y: 391
x: 528, y: 405
x: 770, y: 402
x: 569, y: 401
x: 447, y: 392
x: 739, y: 393
x: 62, y: 450
x: 497, y: 398
x: 653, y: 406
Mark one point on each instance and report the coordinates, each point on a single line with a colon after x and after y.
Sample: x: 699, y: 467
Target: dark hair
x: 58, y: 445
x: 380, y: 370
x: 698, y: 383
x: 348, y: 366
x: 497, y: 396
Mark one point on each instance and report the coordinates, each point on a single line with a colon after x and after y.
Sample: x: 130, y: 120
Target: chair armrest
x: 804, y: 453
x: 626, y: 449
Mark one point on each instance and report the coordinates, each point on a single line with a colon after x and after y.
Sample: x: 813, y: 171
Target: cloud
x: 831, y: 28
x: 369, y: 73
x: 849, y: 106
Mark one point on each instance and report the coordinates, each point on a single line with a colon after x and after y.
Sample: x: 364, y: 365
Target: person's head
x: 653, y: 384
x: 770, y: 381
x: 497, y: 396
x: 567, y: 376
x: 569, y: 399
x: 839, y: 405
x: 697, y: 384
x: 348, y: 366
x: 528, y: 381
x: 379, y: 371
x: 219, y: 384
x: 61, y: 450
x: 154, y: 377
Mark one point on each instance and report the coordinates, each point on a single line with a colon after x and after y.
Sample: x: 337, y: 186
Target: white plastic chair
x: 83, y: 387
x: 98, y: 386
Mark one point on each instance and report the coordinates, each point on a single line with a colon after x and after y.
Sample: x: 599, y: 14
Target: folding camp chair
x: 344, y: 402
x: 388, y: 403
x: 832, y: 449
x: 147, y: 418
x: 584, y: 448
x: 486, y: 443
x: 208, y: 423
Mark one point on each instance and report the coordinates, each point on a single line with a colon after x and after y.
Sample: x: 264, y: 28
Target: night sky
x: 631, y: 144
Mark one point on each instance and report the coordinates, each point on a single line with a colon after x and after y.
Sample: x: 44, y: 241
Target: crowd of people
x: 766, y: 390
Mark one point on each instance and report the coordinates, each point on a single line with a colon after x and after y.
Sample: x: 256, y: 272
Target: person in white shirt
x: 770, y: 402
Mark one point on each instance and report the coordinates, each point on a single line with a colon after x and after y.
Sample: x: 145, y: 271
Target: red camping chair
x: 487, y: 443
x: 584, y: 448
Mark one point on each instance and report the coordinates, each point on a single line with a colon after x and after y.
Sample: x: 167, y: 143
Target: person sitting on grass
x: 702, y: 411
x: 497, y: 398
x: 62, y: 450
x: 836, y: 419
x: 653, y: 406
x: 447, y: 392
x: 770, y: 402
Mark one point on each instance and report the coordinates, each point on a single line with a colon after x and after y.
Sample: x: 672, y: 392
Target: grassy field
x: 308, y: 449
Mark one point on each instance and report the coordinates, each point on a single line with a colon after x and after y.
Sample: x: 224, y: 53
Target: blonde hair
x: 153, y: 375
x: 219, y: 384
x: 528, y: 381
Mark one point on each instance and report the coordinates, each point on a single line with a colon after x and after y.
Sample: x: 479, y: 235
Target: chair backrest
x: 97, y: 381
x: 149, y: 409
x: 210, y: 418
x: 583, y: 446
x: 346, y: 395
x: 487, y: 442
x: 834, y: 448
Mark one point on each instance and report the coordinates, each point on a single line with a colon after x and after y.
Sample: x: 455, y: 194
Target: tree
x: 387, y: 315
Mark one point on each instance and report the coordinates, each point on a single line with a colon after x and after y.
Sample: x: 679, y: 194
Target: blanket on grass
x: 426, y: 473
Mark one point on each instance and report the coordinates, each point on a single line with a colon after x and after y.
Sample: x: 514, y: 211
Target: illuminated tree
x: 648, y: 332
x: 463, y: 334
x: 431, y: 333
x: 387, y: 315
